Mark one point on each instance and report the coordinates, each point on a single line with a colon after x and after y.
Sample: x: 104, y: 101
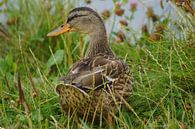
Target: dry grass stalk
x: 22, y: 99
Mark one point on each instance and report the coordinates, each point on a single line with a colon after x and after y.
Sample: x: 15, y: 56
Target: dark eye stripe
x: 75, y: 16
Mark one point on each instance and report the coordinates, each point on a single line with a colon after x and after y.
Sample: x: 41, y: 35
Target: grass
x: 163, y: 70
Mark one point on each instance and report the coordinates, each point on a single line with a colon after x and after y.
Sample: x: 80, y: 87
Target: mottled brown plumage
x: 95, y: 84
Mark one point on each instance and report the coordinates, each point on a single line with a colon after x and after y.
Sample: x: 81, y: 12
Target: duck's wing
x: 78, y: 69
x: 102, y: 71
x: 112, y: 66
x: 90, y: 79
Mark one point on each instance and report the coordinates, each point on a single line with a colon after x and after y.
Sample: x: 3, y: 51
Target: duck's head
x: 82, y: 19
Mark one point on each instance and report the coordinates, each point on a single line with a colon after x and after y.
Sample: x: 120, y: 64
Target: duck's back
x: 91, y: 72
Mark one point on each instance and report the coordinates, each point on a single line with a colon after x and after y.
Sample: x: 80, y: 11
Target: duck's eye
x: 62, y: 25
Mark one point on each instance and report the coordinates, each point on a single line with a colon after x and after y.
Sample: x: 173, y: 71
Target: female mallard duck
x: 96, y: 85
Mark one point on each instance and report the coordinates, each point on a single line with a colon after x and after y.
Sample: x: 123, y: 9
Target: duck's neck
x: 98, y: 44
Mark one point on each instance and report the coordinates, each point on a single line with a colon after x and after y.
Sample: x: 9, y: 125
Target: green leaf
x: 55, y: 58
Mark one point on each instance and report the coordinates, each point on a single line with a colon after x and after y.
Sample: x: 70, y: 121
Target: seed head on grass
x: 106, y: 14
x: 118, y: 10
x: 123, y: 22
x: 133, y: 5
x: 120, y: 36
x: 151, y: 15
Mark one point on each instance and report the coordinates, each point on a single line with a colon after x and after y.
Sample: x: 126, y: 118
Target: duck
x: 99, y: 84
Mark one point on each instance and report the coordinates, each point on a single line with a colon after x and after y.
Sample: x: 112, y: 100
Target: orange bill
x: 60, y: 30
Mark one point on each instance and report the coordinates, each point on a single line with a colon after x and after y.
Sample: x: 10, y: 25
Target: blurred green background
x: 155, y: 38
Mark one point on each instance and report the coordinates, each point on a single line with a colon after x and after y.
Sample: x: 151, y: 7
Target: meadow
x: 161, y: 59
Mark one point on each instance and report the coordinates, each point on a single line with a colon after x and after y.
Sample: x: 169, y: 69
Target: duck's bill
x: 60, y: 30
